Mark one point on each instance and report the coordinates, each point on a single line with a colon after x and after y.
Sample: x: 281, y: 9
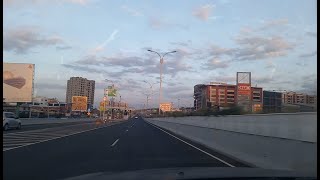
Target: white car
x: 10, y: 120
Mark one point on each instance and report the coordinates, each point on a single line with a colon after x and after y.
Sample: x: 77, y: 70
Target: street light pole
x: 161, y: 62
x: 151, y: 93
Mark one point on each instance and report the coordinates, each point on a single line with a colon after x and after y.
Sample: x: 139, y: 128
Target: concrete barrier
x: 295, y: 126
x: 274, y: 141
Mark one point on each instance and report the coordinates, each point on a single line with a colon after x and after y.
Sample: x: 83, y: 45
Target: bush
x: 234, y: 110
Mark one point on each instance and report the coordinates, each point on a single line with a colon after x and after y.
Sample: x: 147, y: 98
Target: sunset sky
x: 214, y: 39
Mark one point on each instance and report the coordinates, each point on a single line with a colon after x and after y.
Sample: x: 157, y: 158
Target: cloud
x: 177, y: 91
x: 246, y: 30
x: 83, y: 68
x: 219, y: 51
x: 203, y: 12
x: 63, y: 48
x: 273, y: 23
x: 16, y: 3
x: 270, y: 65
x: 225, y: 79
x: 145, y: 64
x: 131, y: 11
x: 22, y: 39
x: 309, y: 85
x: 184, y: 44
x: 256, y: 48
x: 314, y: 53
x: 119, y: 60
x: 261, y: 80
x: 46, y: 85
x: 81, y: 2
x: 215, y: 63
x: 158, y: 23
x: 251, y: 48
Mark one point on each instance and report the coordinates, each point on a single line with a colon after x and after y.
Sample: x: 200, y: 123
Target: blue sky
x: 214, y: 39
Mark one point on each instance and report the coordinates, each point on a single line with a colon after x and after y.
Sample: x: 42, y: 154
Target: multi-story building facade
x: 272, y: 101
x: 298, y: 98
x: 257, y: 99
x: 199, y: 96
x: 223, y: 96
x: 78, y: 86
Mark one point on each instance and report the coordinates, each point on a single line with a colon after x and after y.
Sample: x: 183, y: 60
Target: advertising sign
x: 244, y: 89
x: 18, y: 82
x: 111, y: 91
x: 79, y: 103
x: 165, y: 107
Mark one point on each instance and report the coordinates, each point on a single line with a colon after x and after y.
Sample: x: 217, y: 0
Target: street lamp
x: 149, y: 94
x: 161, y: 62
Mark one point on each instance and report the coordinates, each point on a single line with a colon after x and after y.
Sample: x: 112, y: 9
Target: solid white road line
x: 192, y: 145
x: 114, y: 143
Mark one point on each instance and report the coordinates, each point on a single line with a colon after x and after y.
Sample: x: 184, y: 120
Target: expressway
x: 78, y: 149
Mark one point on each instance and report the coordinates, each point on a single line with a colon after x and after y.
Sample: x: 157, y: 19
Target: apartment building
x: 78, y: 86
x: 298, y: 98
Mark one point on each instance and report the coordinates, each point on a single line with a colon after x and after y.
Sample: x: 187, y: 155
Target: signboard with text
x: 165, y: 107
x: 79, y: 103
x: 244, y: 89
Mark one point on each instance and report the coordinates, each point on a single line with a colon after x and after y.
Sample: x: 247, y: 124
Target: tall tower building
x: 78, y: 86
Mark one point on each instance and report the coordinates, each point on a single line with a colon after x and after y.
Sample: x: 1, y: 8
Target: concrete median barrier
x: 274, y: 141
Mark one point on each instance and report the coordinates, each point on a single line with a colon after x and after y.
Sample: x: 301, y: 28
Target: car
x: 10, y: 120
x: 136, y: 117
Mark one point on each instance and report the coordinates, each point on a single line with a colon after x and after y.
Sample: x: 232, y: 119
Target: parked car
x: 10, y: 120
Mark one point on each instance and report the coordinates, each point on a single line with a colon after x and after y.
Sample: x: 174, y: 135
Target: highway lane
x: 130, y: 145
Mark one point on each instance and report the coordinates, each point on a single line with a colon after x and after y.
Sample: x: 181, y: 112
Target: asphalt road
x: 126, y: 146
x: 42, y: 126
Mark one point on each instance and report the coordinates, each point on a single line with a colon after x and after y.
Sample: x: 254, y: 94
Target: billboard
x: 18, y: 82
x: 165, y: 107
x: 79, y: 103
x: 244, y: 89
x: 111, y: 91
x: 102, y: 106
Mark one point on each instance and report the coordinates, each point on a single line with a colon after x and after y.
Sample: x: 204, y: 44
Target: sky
x: 213, y: 39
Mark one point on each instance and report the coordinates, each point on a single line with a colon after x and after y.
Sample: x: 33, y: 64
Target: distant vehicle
x: 136, y: 117
x: 10, y: 120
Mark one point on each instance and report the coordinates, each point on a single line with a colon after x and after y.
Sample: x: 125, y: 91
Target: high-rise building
x: 78, y: 86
